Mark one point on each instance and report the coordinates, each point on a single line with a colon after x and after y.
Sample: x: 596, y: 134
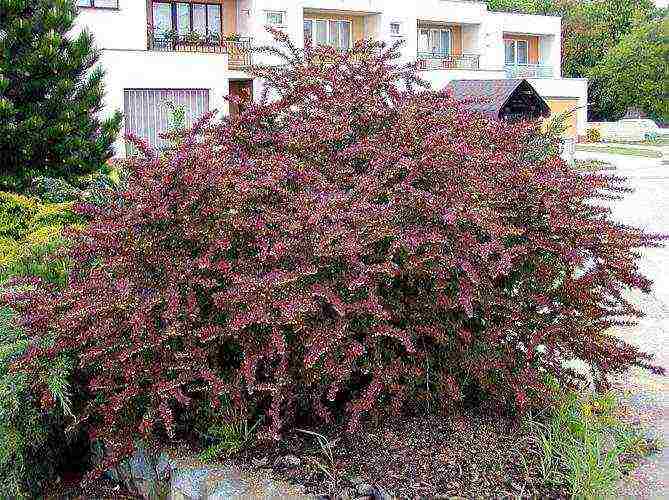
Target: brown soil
x: 466, y: 455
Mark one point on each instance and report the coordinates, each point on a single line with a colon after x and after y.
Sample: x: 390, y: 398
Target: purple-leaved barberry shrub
x: 346, y: 243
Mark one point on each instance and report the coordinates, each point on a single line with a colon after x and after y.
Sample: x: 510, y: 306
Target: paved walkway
x: 648, y: 395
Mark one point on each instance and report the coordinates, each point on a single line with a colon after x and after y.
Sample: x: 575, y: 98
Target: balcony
x: 435, y: 61
x: 236, y: 47
x: 528, y: 71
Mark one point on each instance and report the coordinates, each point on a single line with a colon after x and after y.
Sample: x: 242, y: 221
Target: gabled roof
x: 490, y: 96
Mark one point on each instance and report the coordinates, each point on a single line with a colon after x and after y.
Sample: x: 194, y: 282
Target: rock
x: 260, y: 462
x: 188, y: 483
x: 366, y: 490
x: 288, y: 462
x: 226, y: 489
x: 147, y: 469
x: 348, y: 494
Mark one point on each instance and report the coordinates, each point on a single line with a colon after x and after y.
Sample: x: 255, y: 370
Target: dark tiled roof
x: 490, y: 96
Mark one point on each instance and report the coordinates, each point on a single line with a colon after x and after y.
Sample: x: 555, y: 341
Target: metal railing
x: 238, y: 49
x: 528, y: 71
x: 435, y: 60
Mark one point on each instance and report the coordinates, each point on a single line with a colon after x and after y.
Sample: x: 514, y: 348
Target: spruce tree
x: 51, y: 91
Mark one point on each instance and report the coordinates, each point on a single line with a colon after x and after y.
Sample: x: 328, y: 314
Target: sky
x: 661, y: 3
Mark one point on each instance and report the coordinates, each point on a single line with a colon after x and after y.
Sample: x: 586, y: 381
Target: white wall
x: 450, y: 11
x: 163, y: 70
x: 440, y: 78
x: 549, y: 28
x: 122, y: 34
x: 576, y: 88
x: 125, y: 28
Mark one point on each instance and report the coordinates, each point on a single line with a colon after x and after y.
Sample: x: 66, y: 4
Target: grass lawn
x: 592, y: 165
x: 616, y: 150
x: 661, y: 141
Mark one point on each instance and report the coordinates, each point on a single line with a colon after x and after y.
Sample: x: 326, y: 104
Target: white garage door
x: 148, y: 114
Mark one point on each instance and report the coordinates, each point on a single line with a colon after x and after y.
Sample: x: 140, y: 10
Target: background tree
x: 590, y: 30
x: 50, y: 95
x: 634, y: 73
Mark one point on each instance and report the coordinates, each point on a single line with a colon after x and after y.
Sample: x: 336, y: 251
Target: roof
x: 490, y: 96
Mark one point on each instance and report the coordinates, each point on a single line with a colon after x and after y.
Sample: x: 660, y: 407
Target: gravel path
x: 648, y: 395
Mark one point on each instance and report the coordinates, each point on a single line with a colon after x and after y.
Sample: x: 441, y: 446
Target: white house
x: 194, y: 52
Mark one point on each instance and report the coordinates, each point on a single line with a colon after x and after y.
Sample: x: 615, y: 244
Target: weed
x: 586, y: 446
x: 326, y: 449
x: 229, y: 437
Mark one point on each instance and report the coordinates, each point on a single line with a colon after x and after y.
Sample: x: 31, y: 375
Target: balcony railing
x: 434, y: 60
x: 237, y: 48
x: 528, y: 71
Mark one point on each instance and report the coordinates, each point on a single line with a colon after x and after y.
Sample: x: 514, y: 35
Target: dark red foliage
x: 357, y: 239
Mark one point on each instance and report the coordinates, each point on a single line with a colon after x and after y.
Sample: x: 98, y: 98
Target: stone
x: 188, y: 483
x: 288, y: 462
x: 227, y: 489
x: 348, y: 494
x: 146, y: 469
x: 366, y: 490
x: 261, y: 462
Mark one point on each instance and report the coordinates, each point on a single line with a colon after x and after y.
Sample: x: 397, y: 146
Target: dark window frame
x: 91, y: 5
x: 175, y: 18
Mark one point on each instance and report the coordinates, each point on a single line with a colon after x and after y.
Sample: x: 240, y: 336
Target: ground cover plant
x: 352, y: 244
x: 33, y: 444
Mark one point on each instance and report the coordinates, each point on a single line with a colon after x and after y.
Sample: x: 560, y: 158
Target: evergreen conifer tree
x: 51, y: 92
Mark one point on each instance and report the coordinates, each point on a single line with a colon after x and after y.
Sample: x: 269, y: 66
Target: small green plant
x: 176, y: 133
x: 585, y: 445
x: 652, y: 137
x: 326, y: 449
x: 229, y: 436
x: 193, y: 37
x: 594, y: 135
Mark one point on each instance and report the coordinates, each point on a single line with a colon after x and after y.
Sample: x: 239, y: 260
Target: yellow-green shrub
x: 594, y: 135
x: 32, y: 440
x: 29, y: 230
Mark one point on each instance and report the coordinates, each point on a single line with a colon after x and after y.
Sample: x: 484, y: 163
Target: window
x: 275, y: 18
x: 328, y: 32
x: 100, y: 4
x: 434, y: 41
x: 522, y: 52
x: 516, y: 52
x: 187, y: 18
x: 396, y: 29
x: 148, y: 115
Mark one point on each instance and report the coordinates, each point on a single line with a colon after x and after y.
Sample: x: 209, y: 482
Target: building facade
x: 193, y: 53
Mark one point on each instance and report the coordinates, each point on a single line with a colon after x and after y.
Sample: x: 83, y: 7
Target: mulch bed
x: 465, y: 455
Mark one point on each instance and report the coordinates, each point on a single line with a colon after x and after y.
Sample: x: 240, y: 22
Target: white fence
x: 625, y: 130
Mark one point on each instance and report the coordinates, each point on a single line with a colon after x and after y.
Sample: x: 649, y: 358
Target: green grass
x: 663, y: 140
x: 231, y: 436
x: 586, y: 446
x: 613, y: 150
x: 592, y: 165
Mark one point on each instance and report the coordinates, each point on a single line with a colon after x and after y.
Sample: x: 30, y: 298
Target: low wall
x: 621, y: 131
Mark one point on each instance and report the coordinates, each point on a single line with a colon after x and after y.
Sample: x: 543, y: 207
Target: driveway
x: 647, y: 207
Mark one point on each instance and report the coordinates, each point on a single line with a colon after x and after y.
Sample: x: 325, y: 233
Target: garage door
x: 558, y: 105
x: 148, y: 112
